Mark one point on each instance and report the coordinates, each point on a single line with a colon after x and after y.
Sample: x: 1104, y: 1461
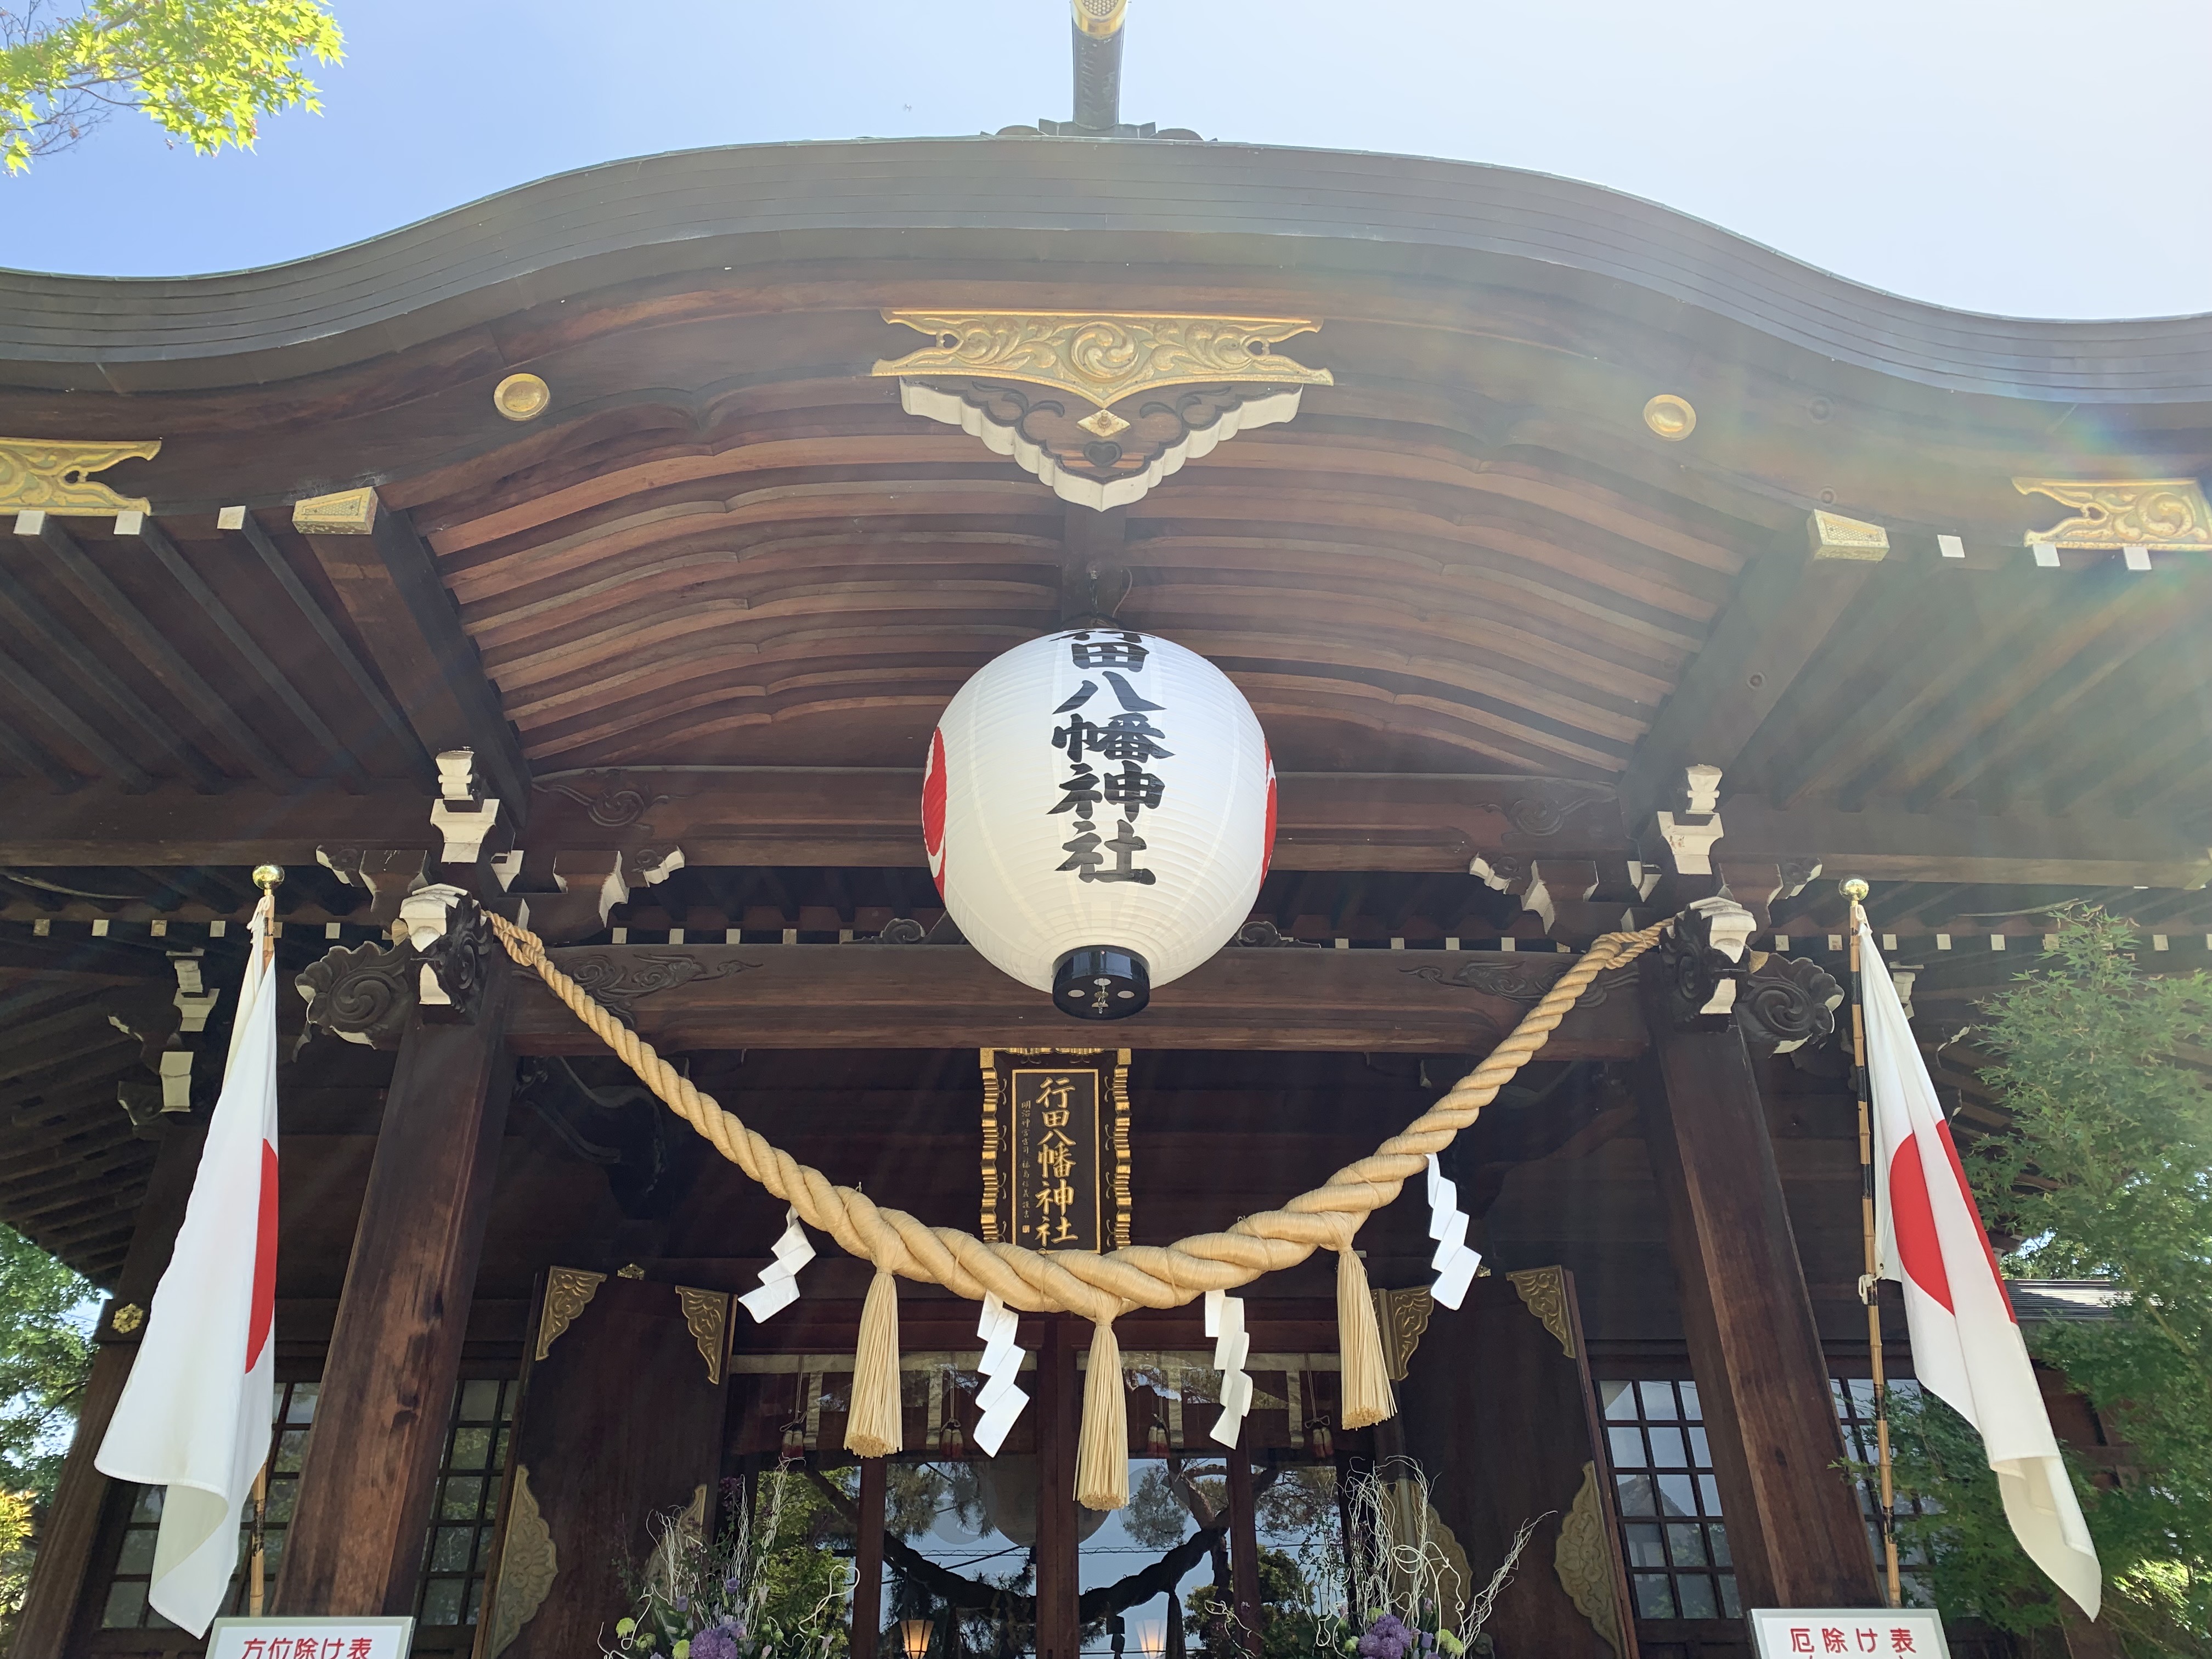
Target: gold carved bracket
x: 1583, y: 1560
x: 2154, y: 515
x: 42, y: 475
x: 1105, y: 356
x: 1544, y: 1291
x: 568, y: 1292
x: 1101, y: 406
x: 1401, y: 1317
x: 528, y: 1565
x: 707, y: 1316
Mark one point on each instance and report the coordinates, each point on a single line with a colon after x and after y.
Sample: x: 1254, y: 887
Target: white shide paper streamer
x: 1000, y: 1399
x: 1455, y: 1261
x: 779, y: 1280
x: 1224, y: 1323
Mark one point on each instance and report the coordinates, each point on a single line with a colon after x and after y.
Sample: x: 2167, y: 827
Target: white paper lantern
x: 1099, y: 808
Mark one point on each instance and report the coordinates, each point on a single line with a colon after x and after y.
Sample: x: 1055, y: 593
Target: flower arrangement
x: 697, y: 1599
x: 1410, y: 1593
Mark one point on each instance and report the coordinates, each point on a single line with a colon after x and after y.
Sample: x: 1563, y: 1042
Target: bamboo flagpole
x: 267, y: 878
x: 1869, y: 1282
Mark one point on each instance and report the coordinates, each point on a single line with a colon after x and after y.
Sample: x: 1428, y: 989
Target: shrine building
x: 604, y: 555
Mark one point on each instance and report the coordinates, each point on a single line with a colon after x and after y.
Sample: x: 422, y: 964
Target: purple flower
x: 1388, y: 1638
x: 730, y: 1585
x: 716, y: 1643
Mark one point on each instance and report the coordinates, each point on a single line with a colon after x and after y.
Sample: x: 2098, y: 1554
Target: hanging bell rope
x: 1099, y: 1287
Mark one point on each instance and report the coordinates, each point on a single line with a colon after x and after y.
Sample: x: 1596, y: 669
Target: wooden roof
x: 727, y: 545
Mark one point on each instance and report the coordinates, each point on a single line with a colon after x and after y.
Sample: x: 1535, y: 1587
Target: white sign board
x: 1861, y: 1632
x: 310, y: 1638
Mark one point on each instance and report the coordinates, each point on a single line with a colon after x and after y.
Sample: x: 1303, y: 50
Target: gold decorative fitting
x: 1101, y: 20
x: 1400, y: 1318
x: 568, y: 1292
x: 41, y: 475
x: 528, y: 1565
x: 349, y: 512
x: 1670, y: 417
x: 1583, y: 1560
x: 127, y: 1318
x: 629, y: 1271
x: 1544, y: 1292
x: 1102, y: 422
x: 1105, y: 357
x: 522, y: 397
x: 706, y: 1316
x: 2157, y: 515
x: 1835, y: 536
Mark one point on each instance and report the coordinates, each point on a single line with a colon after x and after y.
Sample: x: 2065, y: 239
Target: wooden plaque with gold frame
x: 1057, y: 1148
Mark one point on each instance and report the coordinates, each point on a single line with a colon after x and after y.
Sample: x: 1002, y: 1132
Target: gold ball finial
x: 1855, y: 890
x: 268, y: 876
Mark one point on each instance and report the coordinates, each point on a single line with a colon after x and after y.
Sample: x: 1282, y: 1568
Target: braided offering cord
x: 1099, y: 1287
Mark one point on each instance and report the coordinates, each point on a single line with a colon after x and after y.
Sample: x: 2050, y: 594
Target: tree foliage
x: 2106, y: 1174
x: 46, y: 1354
x: 205, y: 71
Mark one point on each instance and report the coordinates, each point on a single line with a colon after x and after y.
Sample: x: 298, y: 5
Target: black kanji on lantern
x: 1133, y: 789
x: 1116, y: 650
x: 1123, y: 738
x: 1124, y: 693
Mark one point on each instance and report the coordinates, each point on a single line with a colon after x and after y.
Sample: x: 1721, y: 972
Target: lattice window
x: 1672, y: 1533
x: 126, y: 1606
x: 459, y: 1553
x: 1854, y: 1402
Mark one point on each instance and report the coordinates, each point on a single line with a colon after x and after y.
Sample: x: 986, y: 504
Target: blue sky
x: 2031, y: 157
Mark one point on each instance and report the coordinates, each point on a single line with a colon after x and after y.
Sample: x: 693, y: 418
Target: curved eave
x: 1212, y: 203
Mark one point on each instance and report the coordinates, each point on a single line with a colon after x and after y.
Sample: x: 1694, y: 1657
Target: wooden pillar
x: 368, y: 1478
x: 868, y: 1562
x: 65, y: 1557
x: 1244, y: 1552
x: 1793, y: 1523
x: 1059, y: 1406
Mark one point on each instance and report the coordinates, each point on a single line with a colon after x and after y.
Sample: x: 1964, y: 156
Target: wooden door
x: 621, y: 1419
x: 1498, y: 1406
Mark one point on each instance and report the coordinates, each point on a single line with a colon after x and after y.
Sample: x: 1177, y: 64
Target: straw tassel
x: 874, y: 1428
x: 1365, y: 1378
x: 1101, y: 1453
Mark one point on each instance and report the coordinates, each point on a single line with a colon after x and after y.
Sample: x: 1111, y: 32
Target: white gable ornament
x: 1099, y: 809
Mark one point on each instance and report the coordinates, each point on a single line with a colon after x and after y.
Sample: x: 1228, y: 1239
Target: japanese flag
x: 1966, y: 1347
x: 195, y: 1415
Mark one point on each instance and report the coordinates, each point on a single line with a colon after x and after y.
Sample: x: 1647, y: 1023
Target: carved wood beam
x: 1544, y: 831
x: 1782, y: 612
x: 390, y: 585
x: 889, y: 996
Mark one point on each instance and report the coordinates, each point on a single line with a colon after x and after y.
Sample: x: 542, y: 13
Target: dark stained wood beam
x: 339, y: 760
x: 85, y: 663
x: 946, y: 996
x: 135, y: 631
x: 65, y: 719
x: 1783, y: 607
x: 1793, y: 1522
x: 370, y: 1478
x: 390, y: 585
x: 766, y: 817
x: 364, y: 682
x: 1882, y: 844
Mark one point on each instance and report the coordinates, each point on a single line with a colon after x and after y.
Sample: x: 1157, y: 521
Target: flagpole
x: 268, y: 878
x: 1856, y: 890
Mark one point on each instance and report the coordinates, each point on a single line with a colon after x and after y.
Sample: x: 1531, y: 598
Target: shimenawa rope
x: 1099, y: 1287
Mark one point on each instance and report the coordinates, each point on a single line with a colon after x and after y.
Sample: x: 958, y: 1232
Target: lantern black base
x: 1101, y: 982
